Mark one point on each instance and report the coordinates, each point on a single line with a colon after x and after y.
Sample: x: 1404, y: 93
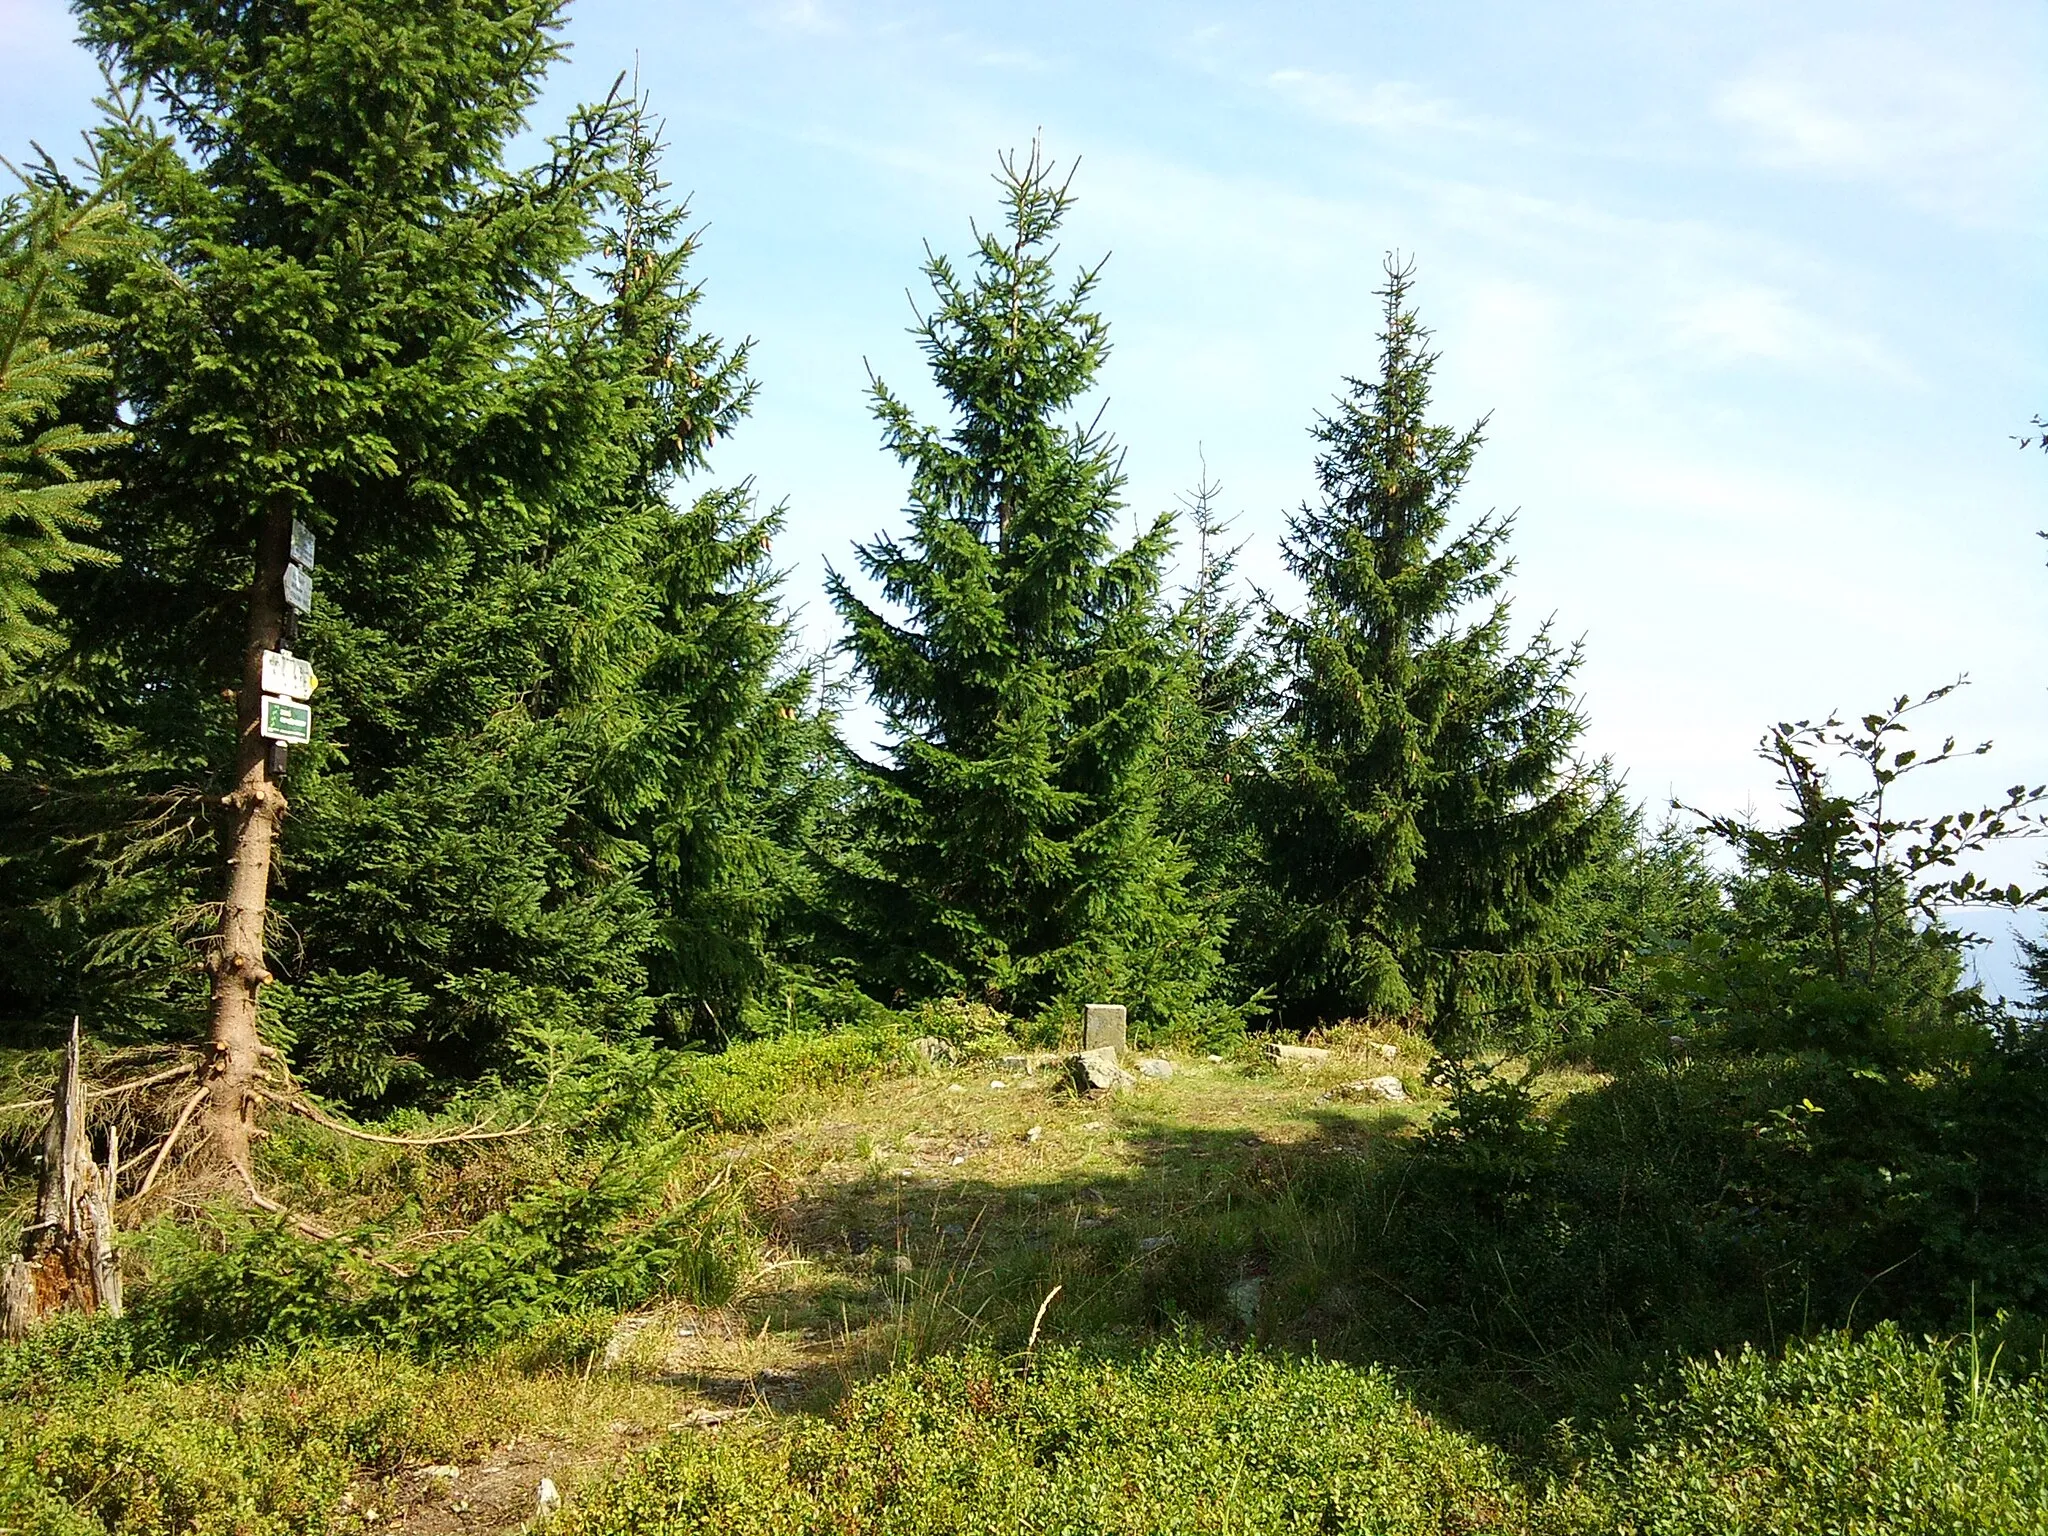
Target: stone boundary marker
x: 1103, y: 1024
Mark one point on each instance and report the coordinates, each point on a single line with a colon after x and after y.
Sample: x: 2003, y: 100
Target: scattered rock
x: 1097, y: 1071
x: 1034, y: 1134
x: 952, y: 1229
x: 959, y: 1158
x: 1215, y: 1060
x: 1154, y: 1244
x: 1386, y: 1090
x: 705, y: 1418
x: 1244, y: 1298
x: 1023, y: 1066
x: 1297, y: 1055
x: 548, y: 1497
x: 1388, y: 1052
x: 998, y: 1084
x: 1155, y: 1066
x: 931, y: 1049
x: 621, y: 1340
x: 440, y: 1472
x: 954, y: 1088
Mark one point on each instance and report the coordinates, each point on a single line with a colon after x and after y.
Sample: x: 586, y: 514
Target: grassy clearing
x: 938, y: 1268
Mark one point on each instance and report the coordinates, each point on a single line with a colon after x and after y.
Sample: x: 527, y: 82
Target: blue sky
x: 1756, y: 294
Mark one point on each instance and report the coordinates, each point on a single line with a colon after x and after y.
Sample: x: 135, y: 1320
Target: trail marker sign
x: 302, y: 544
x: 289, y: 675
x: 298, y: 587
x: 286, y: 720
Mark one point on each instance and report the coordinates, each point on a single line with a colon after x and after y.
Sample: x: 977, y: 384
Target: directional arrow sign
x: 286, y: 719
x: 287, y: 674
x: 302, y: 544
x: 298, y: 588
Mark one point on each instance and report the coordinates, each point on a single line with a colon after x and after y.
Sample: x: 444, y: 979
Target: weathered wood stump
x: 67, y: 1261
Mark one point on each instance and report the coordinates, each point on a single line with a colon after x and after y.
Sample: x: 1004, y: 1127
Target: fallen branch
x: 156, y: 1163
x: 300, y: 1105
x: 104, y: 1093
x: 305, y: 1226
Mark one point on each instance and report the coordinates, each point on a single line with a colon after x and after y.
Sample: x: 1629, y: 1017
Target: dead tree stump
x: 67, y: 1257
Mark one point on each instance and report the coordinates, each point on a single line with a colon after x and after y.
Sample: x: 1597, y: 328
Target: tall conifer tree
x: 1218, y: 714
x: 1012, y: 834
x: 1423, y: 804
x: 544, y: 689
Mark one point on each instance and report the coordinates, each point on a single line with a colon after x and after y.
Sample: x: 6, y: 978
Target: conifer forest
x: 500, y: 1031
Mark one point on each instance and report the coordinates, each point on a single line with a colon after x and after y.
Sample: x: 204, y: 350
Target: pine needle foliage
x: 1012, y: 845
x: 547, y: 690
x: 1218, y: 714
x: 51, y: 349
x: 1423, y: 806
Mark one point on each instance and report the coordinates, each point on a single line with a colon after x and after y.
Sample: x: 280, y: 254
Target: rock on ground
x: 1097, y: 1070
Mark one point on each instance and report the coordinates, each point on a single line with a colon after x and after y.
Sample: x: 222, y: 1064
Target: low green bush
x: 752, y: 1084
x: 1869, y: 1436
x: 1859, y: 1436
x: 262, y: 1445
x: 1181, y: 1440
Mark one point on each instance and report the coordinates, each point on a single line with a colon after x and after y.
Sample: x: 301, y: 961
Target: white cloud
x: 1947, y: 133
x: 1387, y: 105
x: 804, y: 17
x: 1744, y: 322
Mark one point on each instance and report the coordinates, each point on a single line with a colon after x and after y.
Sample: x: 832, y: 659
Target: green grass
x: 1259, y: 1302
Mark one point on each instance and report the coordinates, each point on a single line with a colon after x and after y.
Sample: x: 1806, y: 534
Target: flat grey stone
x: 1297, y: 1055
x: 1155, y: 1066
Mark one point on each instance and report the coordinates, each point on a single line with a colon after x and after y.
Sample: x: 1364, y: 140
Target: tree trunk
x: 67, y: 1255
x: 255, y: 807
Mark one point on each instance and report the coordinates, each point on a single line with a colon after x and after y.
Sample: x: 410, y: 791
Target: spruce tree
x: 1217, y: 716
x: 1012, y: 848
x: 546, y: 692
x: 1423, y: 805
x: 51, y: 349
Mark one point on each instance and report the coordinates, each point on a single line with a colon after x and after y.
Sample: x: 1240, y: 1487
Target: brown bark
x: 67, y: 1258
x: 254, y: 807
